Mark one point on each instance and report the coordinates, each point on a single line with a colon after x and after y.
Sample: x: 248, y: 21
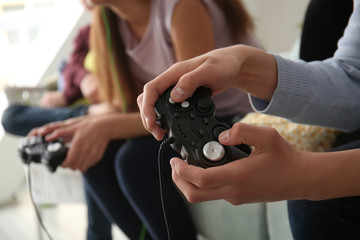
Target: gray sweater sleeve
x: 325, y: 93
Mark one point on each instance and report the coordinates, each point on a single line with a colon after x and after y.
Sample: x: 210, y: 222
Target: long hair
x: 237, y: 17
x: 116, y: 83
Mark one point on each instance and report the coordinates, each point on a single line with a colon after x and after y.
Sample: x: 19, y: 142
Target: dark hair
x: 111, y: 77
x: 237, y: 17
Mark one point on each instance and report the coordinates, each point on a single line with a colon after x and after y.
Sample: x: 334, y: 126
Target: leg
x: 138, y: 177
x: 103, y: 187
x: 20, y: 119
x: 330, y: 219
x: 337, y: 219
x: 99, y: 227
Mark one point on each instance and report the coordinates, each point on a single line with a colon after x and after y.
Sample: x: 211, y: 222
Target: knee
x: 10, y: 119
x: 136, y: 161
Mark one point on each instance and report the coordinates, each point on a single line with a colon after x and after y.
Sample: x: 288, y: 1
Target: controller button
x: 171, y: 101
x: 185, y: 104
x: 213, y: 151
x: 204, y: 105
x: 54, y: 147
x: 192, y: 116
x: 206, y: 121
x: 217, y: 130
x: 176, y: 115
x: 193, y: 144
x: 201, y: 132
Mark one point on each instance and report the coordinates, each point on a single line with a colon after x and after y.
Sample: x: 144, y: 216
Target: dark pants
x: 337, y: 219
x: 20, y: 119
x: 125, y: 183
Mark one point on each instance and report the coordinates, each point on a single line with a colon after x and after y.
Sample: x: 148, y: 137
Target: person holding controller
x: 321, y: 93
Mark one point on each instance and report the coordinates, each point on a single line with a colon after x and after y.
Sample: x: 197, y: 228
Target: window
x: 31, y: 35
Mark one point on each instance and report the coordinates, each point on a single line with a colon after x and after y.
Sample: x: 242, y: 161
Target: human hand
x: 216, y: 70
x: 84, y: 133
x: 89, y: 88
x: 53, y: 99
x: 274, y: 170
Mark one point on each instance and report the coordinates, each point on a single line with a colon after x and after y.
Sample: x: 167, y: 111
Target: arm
x: 248, y: 68
x: 321, y: 92
x: 303, y: 92
x: 274, y: 171
x: 90, y: 135
x: 191, y: 29
x: 74, y: 71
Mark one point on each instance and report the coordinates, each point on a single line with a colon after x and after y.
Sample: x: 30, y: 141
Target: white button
x: 185, y: 104
x: 213, y: 151
x: 171, y: 101
x: 54, y: 147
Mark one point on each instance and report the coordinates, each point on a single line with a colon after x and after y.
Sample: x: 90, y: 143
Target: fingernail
x: 224, y: 136
x: 147, y: 122
x: 172, y: 164
x: 178, y: 93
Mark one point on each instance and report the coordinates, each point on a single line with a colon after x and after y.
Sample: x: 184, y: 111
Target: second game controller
x: 195, y: 130
x: 36, y: 149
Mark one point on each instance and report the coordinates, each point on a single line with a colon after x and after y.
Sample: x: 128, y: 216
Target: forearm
x: 332, y: 175
x: 123, y: 126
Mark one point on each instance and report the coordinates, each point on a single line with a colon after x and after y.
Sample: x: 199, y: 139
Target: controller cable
x: 34, y: 204
x: 163, y: 145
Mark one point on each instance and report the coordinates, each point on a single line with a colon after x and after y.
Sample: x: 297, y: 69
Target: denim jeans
x: 20, y: 119
x: 126, y: 184
x: 333, y: 219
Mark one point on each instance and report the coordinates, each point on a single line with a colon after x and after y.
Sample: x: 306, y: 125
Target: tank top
x: 154, y: 53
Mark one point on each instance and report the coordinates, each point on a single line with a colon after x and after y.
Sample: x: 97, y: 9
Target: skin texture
x: 275, y: 170
x: 99, y: 130
x: 237, y: 66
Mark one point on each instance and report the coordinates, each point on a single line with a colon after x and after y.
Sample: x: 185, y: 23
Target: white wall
x: 278, y: 22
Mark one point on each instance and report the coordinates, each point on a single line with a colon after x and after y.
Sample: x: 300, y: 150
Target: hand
x: 274, y: 170
x: 53, y: 99
x: 89, y: 88
x: 244, y: 67
x: 88, y: 140
x: 216, y: 70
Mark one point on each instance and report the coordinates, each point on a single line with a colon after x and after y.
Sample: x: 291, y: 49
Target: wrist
x: 257, y: 72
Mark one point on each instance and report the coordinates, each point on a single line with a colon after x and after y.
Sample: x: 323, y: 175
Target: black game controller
x: 36, y: 149
x: 195, y: 130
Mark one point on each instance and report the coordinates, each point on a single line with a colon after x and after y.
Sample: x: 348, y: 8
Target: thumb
x: 242, y: 133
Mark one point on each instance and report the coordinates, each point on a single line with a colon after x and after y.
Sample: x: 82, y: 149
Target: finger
x: 204, y: 178
x: 93, y: 157
x: 139, y: 103
x: 242, y: 133
x: 194, y: 193
x: 73, y: 155
x: 65, y: 133
x: 150, y: 125
x: 197, y: 75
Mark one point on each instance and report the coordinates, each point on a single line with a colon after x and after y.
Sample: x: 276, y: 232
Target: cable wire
x: 34, y: 204
x: 164, y: 144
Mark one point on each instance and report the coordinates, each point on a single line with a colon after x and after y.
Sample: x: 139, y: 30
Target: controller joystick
x: 195, y: 130
x: 36, y: 149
